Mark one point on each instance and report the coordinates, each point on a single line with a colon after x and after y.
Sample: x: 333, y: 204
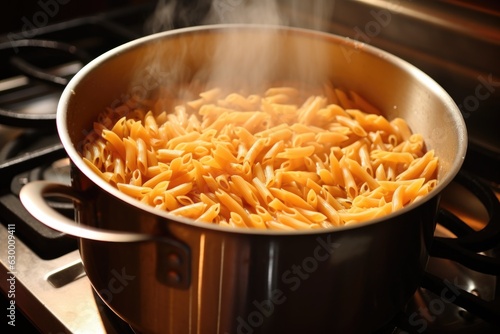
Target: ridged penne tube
x: 210, y: 214
x: 280, y: 135
x: 184, y: 200
x: 430, y: 170
x: 336, y: 170
x: 159, y: 189
x: 290, y: 198
x: 137, y: 131
x: 193, y: 210
x: 393, y: 185
x: 257, y: 222
x: 150, y: 124
x: 262, y: 191
x: 331, y: 138
x: 274, y: 225
x: 160, y: 177
x: 275, y: 206
x: 312, y: 198
x: 181, y: 164
x: 326, y: 176
x: 360, y: 173
x: 293, y: 164
x: 245, y: 137
x: 366, y: 202
x: 416, y: 167
x: 312, y: 215
x: 181, y: 189
x: 96, y: 170
x: 136, y: 178
x: 131, y: 190
x: 115, y: 141
x: 328, y: 195
x: 394, y: 157
x: 349, y: 183
x: 232, y: 205
x: 398, y: 199
x: 367, y: 214
x: 401, y: 128
x: 306, y: 114
x: 238, y: 221
x: 299, y: 177
x: 256, y: 122
x: 190, y: 137
x: 223, y: 182
x: 303, y: 138
x: 210, y: 162
x: 239, y: 102
x: 119, y: 171
x: 254, y: 150
x: 120, y: 128
x: 261, y: 211
x: 167, y: 155
x: 224, y: 154
x: 292, y: 222
x: 269, y: 175
x: 353, y: 125
x: 142, y: 156
x: 296, y: 152
x: 379, y: 123
x: 329, y: 211
x: 247, y: 190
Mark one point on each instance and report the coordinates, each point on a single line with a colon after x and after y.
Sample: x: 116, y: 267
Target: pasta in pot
x: 272, y: 161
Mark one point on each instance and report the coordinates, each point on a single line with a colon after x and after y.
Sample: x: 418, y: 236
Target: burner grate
x: 19, y: 168
x: 36, y: 70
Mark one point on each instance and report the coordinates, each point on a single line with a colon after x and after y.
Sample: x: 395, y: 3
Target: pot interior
x: 255, y: 58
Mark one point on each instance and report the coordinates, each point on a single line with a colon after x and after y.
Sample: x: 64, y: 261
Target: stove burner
x: 57, y: 171
x: 459, y: 291
x: 27, y: 151
x: 433, y: 307
x: 25, y: 64
x: 34, y: 156
x: 34, y: 71
x: 469, y: 244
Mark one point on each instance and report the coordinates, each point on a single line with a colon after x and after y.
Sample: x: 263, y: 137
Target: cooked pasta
x: 279, y: 160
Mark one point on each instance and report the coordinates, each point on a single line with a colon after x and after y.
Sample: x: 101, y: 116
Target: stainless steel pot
x: 164, y: 274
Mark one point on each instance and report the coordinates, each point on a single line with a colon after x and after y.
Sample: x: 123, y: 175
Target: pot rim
x: 401, y: 64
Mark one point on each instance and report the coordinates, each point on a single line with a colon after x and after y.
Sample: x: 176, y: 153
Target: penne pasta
x: 279, y: 160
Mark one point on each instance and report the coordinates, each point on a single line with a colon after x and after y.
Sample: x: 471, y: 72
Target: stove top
x: 41, y: 269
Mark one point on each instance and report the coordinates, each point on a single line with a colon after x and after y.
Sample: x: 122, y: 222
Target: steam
x: 171, y: 14
x: 239, y: 61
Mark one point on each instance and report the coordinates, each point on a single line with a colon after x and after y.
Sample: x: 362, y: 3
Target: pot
x: 165, y: 274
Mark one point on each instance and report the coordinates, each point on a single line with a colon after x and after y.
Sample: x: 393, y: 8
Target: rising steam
x: 239, y: 61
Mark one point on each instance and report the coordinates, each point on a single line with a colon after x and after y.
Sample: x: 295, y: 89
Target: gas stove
x: 43, y: 282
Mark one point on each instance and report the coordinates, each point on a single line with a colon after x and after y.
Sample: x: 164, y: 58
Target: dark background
x: 14, y: 17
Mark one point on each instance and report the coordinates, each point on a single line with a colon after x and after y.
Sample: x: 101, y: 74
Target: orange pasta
x: 281, y: 160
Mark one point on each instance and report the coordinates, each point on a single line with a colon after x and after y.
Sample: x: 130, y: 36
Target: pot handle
x: 32, y: 196
x: 469, y: 245
x: 468, y: 249
x: 173, y: 268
